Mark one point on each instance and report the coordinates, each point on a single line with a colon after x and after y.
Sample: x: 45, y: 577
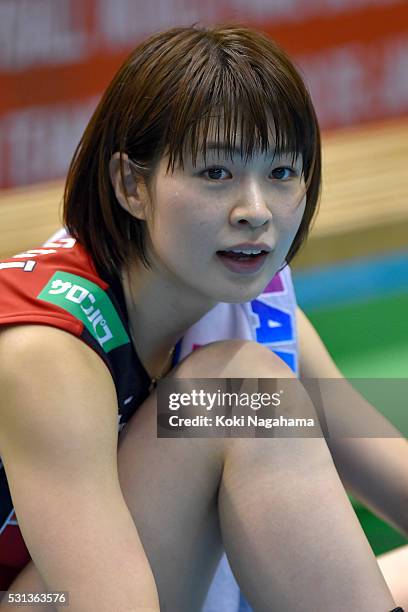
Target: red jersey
x: 59, y: 285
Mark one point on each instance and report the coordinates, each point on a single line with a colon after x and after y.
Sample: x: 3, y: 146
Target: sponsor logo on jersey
x: 90, y: 304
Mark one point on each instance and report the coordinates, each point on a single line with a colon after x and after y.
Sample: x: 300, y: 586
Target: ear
x: 131, y: 194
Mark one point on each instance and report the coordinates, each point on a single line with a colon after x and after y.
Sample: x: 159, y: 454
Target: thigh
x: 171, y: 487
x: 394, y: 567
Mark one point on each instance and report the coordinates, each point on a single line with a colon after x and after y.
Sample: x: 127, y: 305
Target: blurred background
x: 57, y: 57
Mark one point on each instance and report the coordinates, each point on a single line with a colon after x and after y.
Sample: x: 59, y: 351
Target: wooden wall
x: 363, y: 209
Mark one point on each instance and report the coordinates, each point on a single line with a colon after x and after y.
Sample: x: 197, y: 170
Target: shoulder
x: 58, y: 285
x: 53, y: 385
x: 35, y: 344
x: 34, y: 282
x: 33, y: 268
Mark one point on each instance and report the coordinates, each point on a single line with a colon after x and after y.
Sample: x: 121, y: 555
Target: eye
x: 214, y: 172
x: 279, y: 173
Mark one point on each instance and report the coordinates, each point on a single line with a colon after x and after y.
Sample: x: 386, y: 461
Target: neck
x: 159, y: 315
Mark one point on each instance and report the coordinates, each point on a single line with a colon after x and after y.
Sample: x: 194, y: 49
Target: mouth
x: 242, y: 262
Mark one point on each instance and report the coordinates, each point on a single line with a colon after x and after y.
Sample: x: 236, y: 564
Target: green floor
x: 367, y: 339
x: 370, y: 340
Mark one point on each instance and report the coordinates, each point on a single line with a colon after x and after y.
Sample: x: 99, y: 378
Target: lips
x: 242, y: 264
x: 249, y: 246
x: 240, y: 256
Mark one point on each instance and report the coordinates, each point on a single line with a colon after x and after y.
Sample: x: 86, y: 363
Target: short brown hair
x: 172, y: 85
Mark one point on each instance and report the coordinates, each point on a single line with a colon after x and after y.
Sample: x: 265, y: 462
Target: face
x: 199, y: 211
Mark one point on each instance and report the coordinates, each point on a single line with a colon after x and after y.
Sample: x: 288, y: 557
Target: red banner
x: 57, y: 56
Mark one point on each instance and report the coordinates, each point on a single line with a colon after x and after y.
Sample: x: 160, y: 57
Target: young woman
x: 195, y: 182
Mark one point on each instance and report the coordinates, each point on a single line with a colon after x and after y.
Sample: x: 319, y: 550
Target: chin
x: 244, y: 293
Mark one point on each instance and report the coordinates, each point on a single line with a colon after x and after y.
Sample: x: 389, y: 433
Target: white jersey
x: 270, y: 319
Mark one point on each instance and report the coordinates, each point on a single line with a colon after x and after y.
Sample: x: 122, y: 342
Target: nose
x: 251, y: 208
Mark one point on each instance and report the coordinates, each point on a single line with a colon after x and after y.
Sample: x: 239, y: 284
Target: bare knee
x: 233, y: 358
x: 266, y: 375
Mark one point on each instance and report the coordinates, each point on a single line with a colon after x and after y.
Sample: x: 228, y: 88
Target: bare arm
x: 58, y: 442
x: 375, y: 470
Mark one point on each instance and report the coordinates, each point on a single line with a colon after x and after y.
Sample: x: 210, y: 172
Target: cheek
x: 291, y: 217
x: 289, y: 223
x: 183, y: 227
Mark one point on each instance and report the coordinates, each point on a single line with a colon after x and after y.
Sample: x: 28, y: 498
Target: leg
x: 291, y: 535
x: 285, y: 519
x: 171, y: 485
x: 289, y: 530
x: 394, y: 566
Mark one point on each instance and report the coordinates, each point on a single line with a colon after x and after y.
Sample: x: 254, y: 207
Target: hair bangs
x: 220, y: 103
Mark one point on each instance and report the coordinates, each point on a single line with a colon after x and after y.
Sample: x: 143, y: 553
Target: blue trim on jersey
x: 288, y: 358
x: 176, y: 355
x: 275, y: 325
x: 243, y: 604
